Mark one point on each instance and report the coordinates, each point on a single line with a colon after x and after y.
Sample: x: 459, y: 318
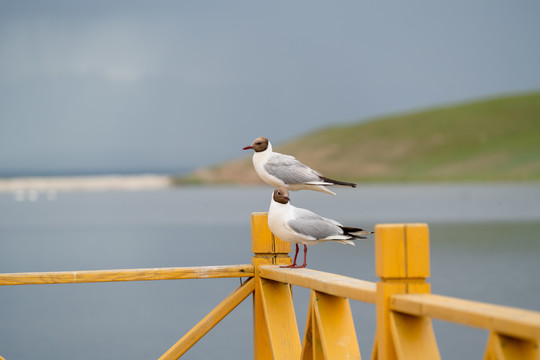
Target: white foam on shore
x: 84, y: 183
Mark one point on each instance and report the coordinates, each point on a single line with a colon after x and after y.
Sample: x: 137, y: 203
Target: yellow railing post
x: 275, y: 332
x: 402, y: 264
x: 267, y: 249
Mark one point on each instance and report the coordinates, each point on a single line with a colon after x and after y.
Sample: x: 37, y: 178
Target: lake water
x: 485, y: 246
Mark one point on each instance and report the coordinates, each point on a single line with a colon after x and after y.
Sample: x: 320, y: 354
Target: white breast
x: 259, y: 160
x: 278, y: 216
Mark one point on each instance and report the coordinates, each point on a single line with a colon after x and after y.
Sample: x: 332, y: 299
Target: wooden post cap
x: 402, y: 251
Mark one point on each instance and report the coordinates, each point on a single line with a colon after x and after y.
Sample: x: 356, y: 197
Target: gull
x: 279, y: 170
x: 301, y: 226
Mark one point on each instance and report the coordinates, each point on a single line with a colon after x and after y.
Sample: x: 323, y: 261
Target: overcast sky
x: 118, y: 86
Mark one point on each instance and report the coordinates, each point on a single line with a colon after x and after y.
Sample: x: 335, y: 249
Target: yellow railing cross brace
x: 209, y: 321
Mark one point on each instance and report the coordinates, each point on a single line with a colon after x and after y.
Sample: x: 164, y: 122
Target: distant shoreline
x: 85, y: 183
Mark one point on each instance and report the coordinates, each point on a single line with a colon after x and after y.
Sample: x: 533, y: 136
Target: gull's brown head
x: 281, y: 195
x: 259, y: 144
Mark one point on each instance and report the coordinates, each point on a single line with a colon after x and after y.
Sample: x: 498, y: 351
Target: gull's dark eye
x: 258, y: 143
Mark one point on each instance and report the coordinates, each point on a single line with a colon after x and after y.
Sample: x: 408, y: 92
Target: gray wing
x: 313, y: 225
x: 290, y: 170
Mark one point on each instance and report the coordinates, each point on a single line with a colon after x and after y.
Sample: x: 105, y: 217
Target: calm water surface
x: 484, y: 246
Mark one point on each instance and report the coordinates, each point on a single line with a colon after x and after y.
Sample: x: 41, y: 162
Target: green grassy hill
x: 490, y: 140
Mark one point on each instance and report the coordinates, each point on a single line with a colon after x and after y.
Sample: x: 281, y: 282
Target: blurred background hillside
x: 491, y: 140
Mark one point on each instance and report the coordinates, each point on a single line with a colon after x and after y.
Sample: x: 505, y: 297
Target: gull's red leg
x: 305, y: 254
x: 293, y: 265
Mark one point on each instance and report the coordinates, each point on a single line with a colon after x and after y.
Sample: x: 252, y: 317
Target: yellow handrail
x: 503, y: 319
x: 327, y: 283
x: 173, y: 273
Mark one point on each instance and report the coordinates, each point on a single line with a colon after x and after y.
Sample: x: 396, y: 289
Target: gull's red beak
x: 248, y: 147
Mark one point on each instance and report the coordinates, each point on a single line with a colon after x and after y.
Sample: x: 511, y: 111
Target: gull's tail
x: 337, y: 182
x: 349, y: 234
x: 356, y: 232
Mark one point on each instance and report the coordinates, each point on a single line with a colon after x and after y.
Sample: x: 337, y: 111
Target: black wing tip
x: 352, y: 230
x: 338, y: 182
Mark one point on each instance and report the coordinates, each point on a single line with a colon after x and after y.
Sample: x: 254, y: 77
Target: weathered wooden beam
x: 280, y: 319
x: 333, y: 326
x: 175, y: 273
x: 328, y: 283
x: 505, y: 320
x: 502, y: 347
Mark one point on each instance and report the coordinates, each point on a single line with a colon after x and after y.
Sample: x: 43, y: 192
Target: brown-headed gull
x: 301, y: 226
x: 279, y: 170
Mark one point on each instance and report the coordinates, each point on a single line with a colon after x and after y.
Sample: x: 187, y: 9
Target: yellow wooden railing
x: 405, y: 307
